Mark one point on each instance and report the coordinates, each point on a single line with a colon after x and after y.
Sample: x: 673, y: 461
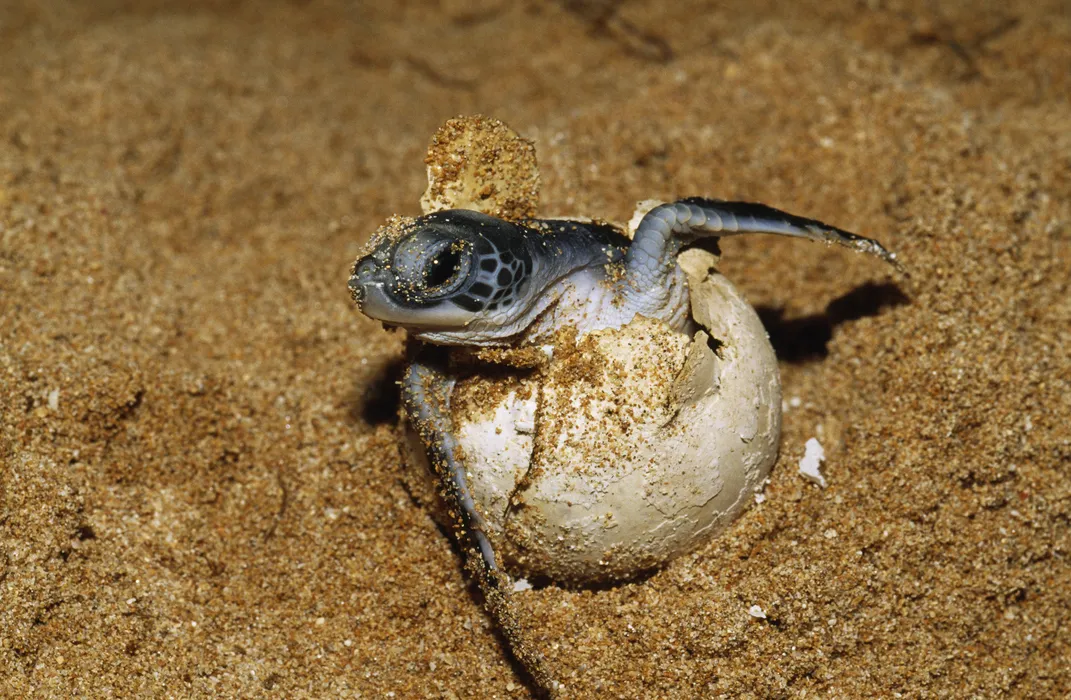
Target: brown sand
x: 199, y: 492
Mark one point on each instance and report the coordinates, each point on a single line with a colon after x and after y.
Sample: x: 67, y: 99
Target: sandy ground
x: 199, y: 491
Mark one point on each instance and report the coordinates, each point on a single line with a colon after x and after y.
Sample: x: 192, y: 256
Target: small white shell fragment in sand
x: 810, y: 465
x: 521, y: 584
x: 757, y: 612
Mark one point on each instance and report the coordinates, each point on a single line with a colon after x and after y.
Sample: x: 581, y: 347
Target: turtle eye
x: 428, y: 265
x: 442, y: 267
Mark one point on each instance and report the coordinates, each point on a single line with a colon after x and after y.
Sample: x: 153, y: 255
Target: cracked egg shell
x: 628, y: 448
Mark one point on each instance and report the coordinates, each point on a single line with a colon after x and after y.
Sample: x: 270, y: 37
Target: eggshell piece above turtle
x: 479, y: 163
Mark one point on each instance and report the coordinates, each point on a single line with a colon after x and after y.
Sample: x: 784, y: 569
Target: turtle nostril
x: 364, y: 270
x: 357, y: 291
x: 362, y: 277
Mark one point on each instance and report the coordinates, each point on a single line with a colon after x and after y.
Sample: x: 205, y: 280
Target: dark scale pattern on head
x: 481, y: 289
x: 501, y: 273
x: 468, y: 303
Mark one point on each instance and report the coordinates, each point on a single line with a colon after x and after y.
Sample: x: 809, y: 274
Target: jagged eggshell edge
x: 597, y: 514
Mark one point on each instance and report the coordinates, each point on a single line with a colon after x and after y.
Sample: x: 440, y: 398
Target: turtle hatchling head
x: 447, y: 276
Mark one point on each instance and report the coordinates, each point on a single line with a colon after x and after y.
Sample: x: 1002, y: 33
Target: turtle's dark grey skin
x: 460, y: 277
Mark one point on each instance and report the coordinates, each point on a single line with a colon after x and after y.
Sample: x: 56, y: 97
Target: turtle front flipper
x: 426, y: 397
x: 666, y: 228
x: 426, y: 392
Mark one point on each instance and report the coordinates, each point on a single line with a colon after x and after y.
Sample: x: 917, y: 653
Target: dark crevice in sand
x: 603, y: 18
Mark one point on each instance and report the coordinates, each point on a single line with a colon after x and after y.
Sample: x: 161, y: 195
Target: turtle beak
x: 374, y: 302
x: 368, y: 288
x: 372, y: 287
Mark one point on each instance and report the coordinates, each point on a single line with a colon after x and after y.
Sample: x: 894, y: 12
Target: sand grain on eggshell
x: 199, y: 486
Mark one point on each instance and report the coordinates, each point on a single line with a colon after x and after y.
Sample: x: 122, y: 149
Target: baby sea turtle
x: 460, y: 277
x: 502, y: 279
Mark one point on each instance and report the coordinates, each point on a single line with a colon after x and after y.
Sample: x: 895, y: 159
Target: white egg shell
x: 630, y: 448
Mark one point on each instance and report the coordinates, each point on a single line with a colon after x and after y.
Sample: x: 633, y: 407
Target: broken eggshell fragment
x: 626, y: 448
x: 481, y: 164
